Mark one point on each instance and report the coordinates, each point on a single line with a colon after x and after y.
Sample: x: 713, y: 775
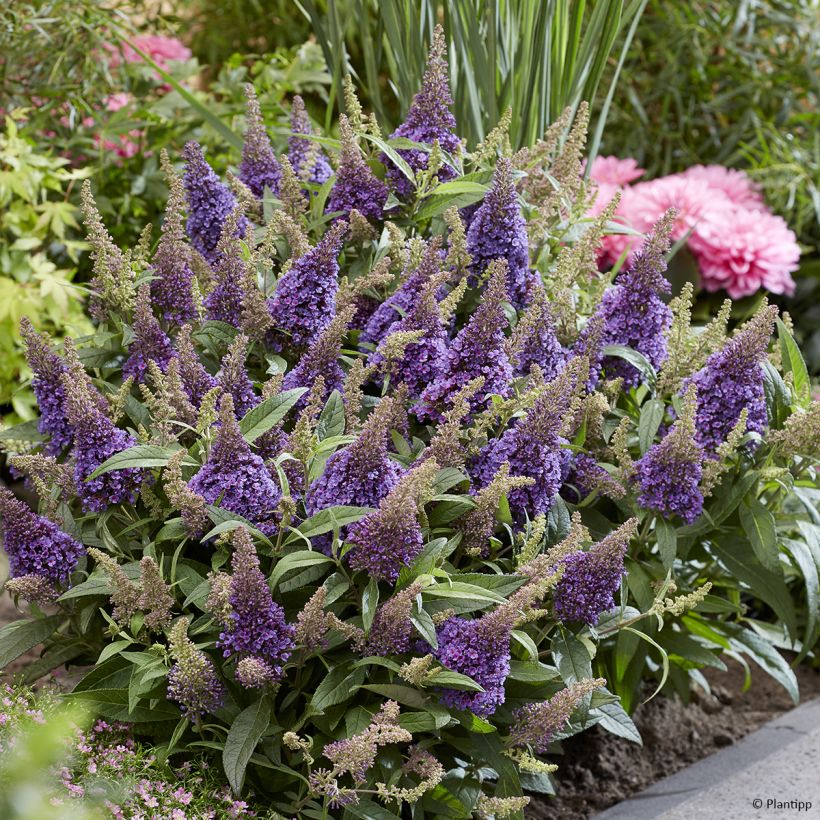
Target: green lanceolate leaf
x: 17, y: 638
x: 295, y: 561
x: 143, y: 455
x: 258, y: 420
x: 758, y: 524
x: 330, y: 519
x: 332, y: 418
x: 337, y: 687
x: 651, y: 417
x: 634, y: 358
x: 793, y: 363
x: 667, y: 538
x: 245, y: 732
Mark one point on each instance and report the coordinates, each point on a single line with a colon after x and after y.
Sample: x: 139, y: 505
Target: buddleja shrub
x: 371, y: 495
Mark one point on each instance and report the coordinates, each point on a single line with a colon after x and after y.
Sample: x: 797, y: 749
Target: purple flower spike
x: 305, y: 152
x: 498, y: 231
x: 48, y: 369
x: 590, y: 579
x: 35, y: 545
x: 389, y: 312
x: 355, y: 185
x: 233, y: 377
x: 361, y: 473
x: 428, y: 119
x: 732, y: 380
x: 256, y: 625
x: 95, y: 440
x: 259, y: 168
x: 235, y: 477
x: 172, y: 286
x: 478, y: 350
x: 151, y: 343
x: 633, y: 313
x: 479, y: 648
x: 209, y: 204
x: 305, y: 298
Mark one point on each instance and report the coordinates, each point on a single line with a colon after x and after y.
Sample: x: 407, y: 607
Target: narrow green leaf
x: 667, y: 538
x: 297, y: 560
x: 793, y: 363
x: 332, y: 518
x: 758, y: 524
x: 258, y: 420
x: 651, y: 417
x: 245, y: 732
x: 18, y: 637
x: 142, y: 455
x: 337, y: 687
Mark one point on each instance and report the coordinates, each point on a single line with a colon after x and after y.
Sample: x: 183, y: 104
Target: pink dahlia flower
x: 615, y: 171
x: 740, y: 250
x: 736, y: 185
x: 160, y: 49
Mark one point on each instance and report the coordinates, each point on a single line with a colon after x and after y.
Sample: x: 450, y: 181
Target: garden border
x: 719, y: 768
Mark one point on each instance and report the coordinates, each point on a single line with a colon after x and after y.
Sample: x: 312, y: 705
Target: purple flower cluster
x: 150, y: 343
x: 196, y: 380
x: 421, y: 362
x: 259, y: 168
x: 257, y: 626
x: 301, y: 149
x: 197, y: 694
x: 210, y: 203
x: 541, y: 346
x: 498, y: 231
x: 404, y: 299
x: 35, y: 545
x: 226, y: 301
x: 633, y: 313
x: 235, y: 477
x: 590, y: 579
x: 356, y: 186
x: 428, y: 120
x: 95, y: 440
x: 479, y: 648
x: 362, y: 473
x: 48, y: 369
x: 305, y: 298
x: 670, y: 485
x: 478, y: 350
x: 233, y: 377
x: 584, y: 474
x: 731, y: 381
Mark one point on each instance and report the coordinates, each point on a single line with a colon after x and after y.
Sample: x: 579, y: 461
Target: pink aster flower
x: 742, y: 250
x: 736, y: 185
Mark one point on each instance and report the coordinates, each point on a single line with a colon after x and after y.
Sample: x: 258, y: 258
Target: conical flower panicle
x: 34, y: 545
x: 233, y: 376
x: 421, y: 361
x: 590, y: 579
x: 95, y: 440
x: 234, y: 476
x: 404, y: 299
x: 259, y: 168
x: 151, y: 343
x: 210, y: 203
x: 226, y: 301
x: 195, y: 378
x: 172, y: 291
x: 536, y: 724
x: 362, y: 473
x: 355, y: 185
x: 633, y: 312
x: 322, y: 359
x: 428, y: 119
x: 479, y: 648
x: 306, y: 157
x: 305, y: 298
x: 192, y: 682
x: 48, y: 369
x: 732, y: 380
x: 257, y: 626
x: 390, y: 538
x: 392, y: 630
x: 669, y: 474
x: 498, y: 231
x: 478, y: 350
x: 532, y: 447
x: 534, y: 340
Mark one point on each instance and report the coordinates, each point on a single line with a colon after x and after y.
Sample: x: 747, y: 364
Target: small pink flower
x: 735, y: 184
x: 742, y: 250
x: 615, y: 171
x: 115, y: 102
x: 160, y: 49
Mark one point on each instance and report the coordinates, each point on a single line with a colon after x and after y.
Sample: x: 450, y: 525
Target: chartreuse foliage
x: 408, y: 499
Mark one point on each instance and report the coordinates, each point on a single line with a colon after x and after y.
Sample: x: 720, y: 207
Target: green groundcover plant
x: 368, y: 484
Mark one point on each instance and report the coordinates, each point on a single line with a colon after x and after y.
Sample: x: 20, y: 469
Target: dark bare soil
x: 598, y: 770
